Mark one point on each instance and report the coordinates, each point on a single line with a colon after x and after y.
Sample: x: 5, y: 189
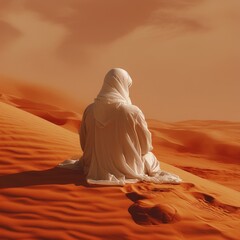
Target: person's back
x: 117, y: 147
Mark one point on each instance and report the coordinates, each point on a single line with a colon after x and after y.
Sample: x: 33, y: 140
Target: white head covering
x: 114, y: 92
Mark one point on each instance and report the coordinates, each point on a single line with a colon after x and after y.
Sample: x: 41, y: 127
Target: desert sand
x: 40, y: 201
x: 67, y: 119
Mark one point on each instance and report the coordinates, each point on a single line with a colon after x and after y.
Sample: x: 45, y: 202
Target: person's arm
x: 82, y: 132
x: 144, y: 135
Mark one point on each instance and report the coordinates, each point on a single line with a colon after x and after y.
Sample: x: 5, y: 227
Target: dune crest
x: 67, y: 119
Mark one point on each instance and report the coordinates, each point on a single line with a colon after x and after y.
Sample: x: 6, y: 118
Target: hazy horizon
x: 183, y: 56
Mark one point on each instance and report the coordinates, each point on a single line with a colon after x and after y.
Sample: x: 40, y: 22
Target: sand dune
x: 209, y: 149
x: 39, y: 201
x: 67, y: 119
x: 218, y: 140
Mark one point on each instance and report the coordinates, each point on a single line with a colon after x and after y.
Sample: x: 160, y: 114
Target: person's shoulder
x: 88, y: 108
x: 130, y: 109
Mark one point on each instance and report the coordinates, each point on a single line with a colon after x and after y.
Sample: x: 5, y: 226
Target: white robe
x: 115, y: 140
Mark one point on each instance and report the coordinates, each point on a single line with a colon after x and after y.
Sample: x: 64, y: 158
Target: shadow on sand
x: 50, y: 176
x: 56, y: 175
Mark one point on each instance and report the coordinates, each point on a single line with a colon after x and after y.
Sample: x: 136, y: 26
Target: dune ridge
x: 59, y: 116
x: 39, y: 201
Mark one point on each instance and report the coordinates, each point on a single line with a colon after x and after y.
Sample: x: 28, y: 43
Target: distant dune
x: 209, y: 149
x: 67, y: 119
x: 39, y: 201
x: 38, y: 98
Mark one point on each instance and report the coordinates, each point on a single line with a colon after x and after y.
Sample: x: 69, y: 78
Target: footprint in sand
x: 146, y: 212
x: 212, y: 204
x: 156, y: 204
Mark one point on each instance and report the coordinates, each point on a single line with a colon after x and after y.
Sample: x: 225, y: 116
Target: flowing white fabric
x: 115, y: 139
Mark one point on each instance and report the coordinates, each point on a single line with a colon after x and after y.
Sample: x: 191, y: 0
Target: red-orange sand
x: 39, y: 201
x: 54, y: 114
x: 209, y: 149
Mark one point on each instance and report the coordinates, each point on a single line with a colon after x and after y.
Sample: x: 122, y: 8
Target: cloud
x: 4, y: 4
x: 7, y: 33
x: 93, y: 22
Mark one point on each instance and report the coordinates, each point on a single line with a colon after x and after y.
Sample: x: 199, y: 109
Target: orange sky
x: 183, y: 55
